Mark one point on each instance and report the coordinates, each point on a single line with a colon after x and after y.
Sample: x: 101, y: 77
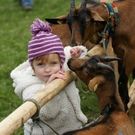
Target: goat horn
x: 72, y: 4
x: 102, y: 65
x: 107, y: 58
x: 83, y: 5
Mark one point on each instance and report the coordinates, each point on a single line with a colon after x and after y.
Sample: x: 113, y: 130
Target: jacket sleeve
x: 68, y: 55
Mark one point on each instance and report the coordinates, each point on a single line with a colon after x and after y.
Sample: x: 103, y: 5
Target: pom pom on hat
x: 44, y: 42
x: 39, y: 26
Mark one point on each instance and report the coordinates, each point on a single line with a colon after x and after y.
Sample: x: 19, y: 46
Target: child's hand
x: 59, y: 75
x: 75, y: 52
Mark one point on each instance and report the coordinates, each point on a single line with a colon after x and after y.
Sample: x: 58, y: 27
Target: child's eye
x: 40, y: 64
x: 53, y: 63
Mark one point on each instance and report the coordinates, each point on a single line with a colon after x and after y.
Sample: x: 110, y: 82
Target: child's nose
x: 47, y: 69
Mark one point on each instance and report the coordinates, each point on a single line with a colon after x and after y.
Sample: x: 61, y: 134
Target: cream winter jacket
x: 62, y: 112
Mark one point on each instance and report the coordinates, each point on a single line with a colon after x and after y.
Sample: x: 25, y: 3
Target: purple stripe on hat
x: 46, y: 35
x: 44, y: 42
x: 45, y: 48
x: 43, y: 37
x: 54, y: 50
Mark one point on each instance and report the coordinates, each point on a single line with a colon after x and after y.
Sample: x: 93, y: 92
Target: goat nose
x: 69, y: 62
x: 73, y: 42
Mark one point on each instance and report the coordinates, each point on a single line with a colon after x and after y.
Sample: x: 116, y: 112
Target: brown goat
x: 85, y: 22
x: 100, y: 78
x: 62, y: 30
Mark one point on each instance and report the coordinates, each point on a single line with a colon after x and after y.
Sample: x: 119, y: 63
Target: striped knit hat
x: 44, y: 42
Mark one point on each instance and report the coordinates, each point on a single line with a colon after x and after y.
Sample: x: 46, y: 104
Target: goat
x: 61, y: 20
x: 96, y: 71
x: 61, y: 29
x: 84, y: 22
x: 64, y: 32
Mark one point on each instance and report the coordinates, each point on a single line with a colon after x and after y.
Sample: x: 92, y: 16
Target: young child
x: 46, y: 62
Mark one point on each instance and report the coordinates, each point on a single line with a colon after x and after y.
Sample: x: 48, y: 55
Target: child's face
x: 44, y: 68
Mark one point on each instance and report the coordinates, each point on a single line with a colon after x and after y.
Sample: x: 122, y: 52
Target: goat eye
x: 86, y: 71
x: 87, y: 22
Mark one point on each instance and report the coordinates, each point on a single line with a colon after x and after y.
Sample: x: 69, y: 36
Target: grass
x: 14, y: 36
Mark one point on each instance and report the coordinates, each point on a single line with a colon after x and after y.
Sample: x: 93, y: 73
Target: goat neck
x: 106, y: 91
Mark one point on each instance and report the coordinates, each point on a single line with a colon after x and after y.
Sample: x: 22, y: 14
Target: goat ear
x: 93, y: 84
x: 96, y: 17
x: 56, y: 21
